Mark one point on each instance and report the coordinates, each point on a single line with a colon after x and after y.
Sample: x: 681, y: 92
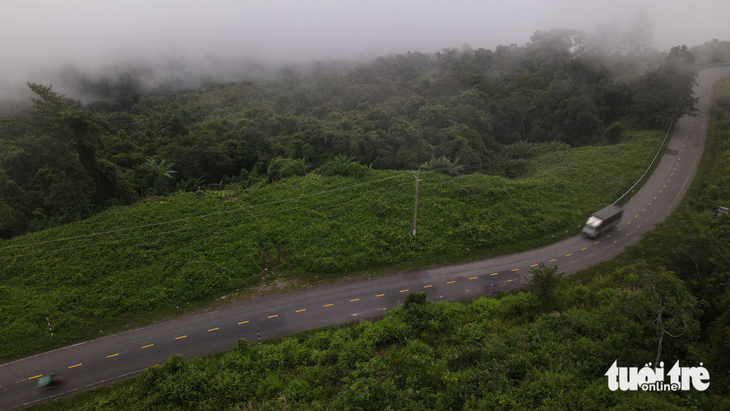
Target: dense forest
x: 454, y: 110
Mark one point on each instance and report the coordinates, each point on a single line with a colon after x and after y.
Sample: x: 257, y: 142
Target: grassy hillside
x: 547, y: 348
x: 193, y: 247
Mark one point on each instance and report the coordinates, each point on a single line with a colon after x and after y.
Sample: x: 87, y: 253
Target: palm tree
x: 161, y: 173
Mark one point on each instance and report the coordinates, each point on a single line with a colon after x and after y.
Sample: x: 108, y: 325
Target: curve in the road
x: 113, y: 357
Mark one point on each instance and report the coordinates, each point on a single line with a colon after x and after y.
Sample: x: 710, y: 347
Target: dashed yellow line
x: 74, y: 366
x: 181, y: 337
x: 35, y: 376
x: 472, y: 278
x: 534, y: 265
x: 379, y: 295
x: 628, y: 223
x: 428, y: 286
x: 636, y: 216
x: 450, y: 282
x: 650, y: 203
x: 273, y: 316
x: 147, y: 346
x: 619, y: 229
x: 302, y: 310
x: 354, y: 299
x: 596, y: 242
x: 552, y: 260
x: 660, y: 191
x: 113, y: 355
x: 655, y: 197
x: 243, y: 322
x: 608, y: 236
x: 214, y: 329
x: 514, y: 269
x: 568, y: 255
x: 583, y: 249
x: 328, y: 305
x: 494, y: 274
x: 404, y: 291
x: 643, y: 210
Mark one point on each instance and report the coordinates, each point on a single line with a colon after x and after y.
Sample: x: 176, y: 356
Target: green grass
x: 126, y: 278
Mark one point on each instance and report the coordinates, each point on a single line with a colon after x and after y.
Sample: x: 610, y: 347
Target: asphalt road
x: 114, y: 357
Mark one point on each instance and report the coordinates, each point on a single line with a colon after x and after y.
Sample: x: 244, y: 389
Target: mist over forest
x: 122, y: 126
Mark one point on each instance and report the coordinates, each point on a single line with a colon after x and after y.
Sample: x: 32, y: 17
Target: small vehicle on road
x: 48, y: 381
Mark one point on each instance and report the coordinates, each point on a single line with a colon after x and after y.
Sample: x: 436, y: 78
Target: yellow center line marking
x: 620, y: 229
x: 568, y: 255
x: 35, y: 376
x: 552, y: 260
x: 514, y: 269
x: 450, y: 282
x: 379, y: 295
x: 596, y: 242
x: 148, y: 346
x: 302, y: 310
x: 583, y: 249
x: 671, y: 176
x: 181, y: 337
x: 660, y: 191
x: 472, y: 278
x: 328, y: 305
x: 534, y: 265
x: 214, y: 329
x: 636, y: 216
x: 273, y: 316
x: 74, y: 366
x: 243, y: 322
x: 629, y: 222
x: 494, y: 274
x: 608, y: 236
x: 654, y: 197
x: 675, y: 168
x: 427, y: 286
x: 649, y: 203
x: 404, y: 291
x: 113, y: 355
x: 355, y: 299
x: 642, y: 210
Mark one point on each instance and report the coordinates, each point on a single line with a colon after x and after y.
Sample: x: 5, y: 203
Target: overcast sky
x: 40, y: 36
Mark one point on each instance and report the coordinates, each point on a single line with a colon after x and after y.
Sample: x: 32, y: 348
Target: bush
x: 280, y: 168
x: 342, y: 165
x: 443, y: 165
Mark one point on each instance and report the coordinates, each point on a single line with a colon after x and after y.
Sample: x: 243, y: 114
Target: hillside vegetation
x: 544, y: 348
x: 130, y: 261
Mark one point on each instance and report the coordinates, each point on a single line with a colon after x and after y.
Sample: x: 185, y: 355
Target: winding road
x: 114, y: 357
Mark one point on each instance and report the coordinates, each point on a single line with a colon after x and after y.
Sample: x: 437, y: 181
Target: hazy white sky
x: 37, y: 36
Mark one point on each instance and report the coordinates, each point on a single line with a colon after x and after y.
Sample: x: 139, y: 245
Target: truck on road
x: 602, y: 221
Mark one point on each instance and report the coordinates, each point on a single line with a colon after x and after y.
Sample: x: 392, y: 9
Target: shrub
x: 280, y: 168
x: 343, y: 165
x: 443, y: 165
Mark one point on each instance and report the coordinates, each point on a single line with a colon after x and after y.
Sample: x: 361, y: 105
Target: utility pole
x: 415, y: 207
